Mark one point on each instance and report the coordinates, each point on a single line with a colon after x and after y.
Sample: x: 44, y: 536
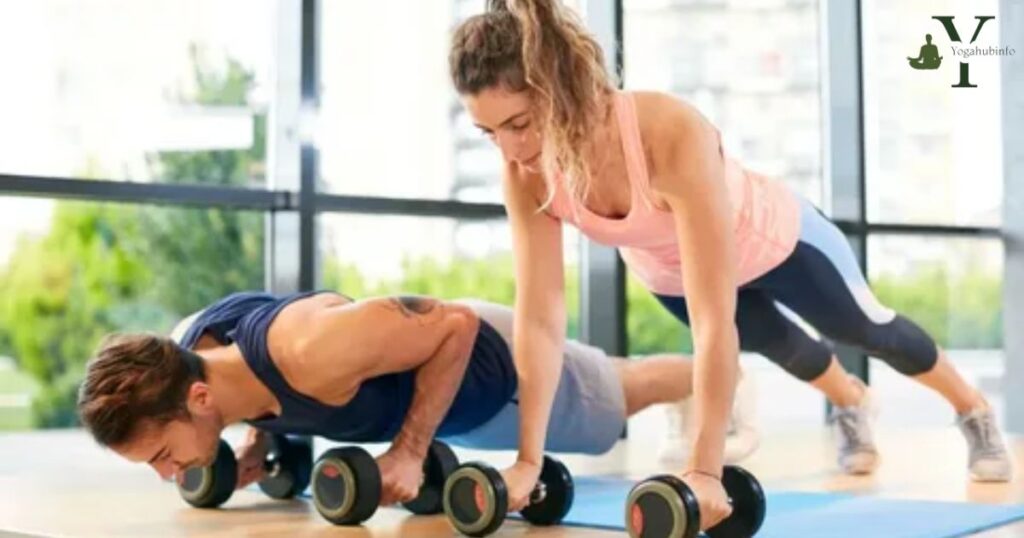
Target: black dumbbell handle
x: 728, y: 499
x: 539, y: 493
x: 272, y: 466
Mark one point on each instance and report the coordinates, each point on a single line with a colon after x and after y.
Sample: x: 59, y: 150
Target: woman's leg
x: 764, y: 329
x: 822, y: 283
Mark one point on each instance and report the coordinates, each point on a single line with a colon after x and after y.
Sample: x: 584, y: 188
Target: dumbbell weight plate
x: 475, y: 499
x: 346, y: 485
x: 559, y: 493
x: 211, y: 486
x: 748, y: 505
x: 662, y: 506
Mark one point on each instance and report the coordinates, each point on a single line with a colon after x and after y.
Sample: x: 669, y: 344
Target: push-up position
x: 398, y: 369
x: 719, y: 245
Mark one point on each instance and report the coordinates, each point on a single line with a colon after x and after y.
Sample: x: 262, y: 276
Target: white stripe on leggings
x: 825, y: 236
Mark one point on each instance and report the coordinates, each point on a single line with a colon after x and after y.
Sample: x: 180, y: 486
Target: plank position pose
x: 718, y: 245
x: 398, y: 369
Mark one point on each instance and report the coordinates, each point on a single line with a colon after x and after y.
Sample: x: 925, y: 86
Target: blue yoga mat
x: 600, y: 503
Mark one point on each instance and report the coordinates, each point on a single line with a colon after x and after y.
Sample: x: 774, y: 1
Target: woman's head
x: 534, y: 80
x: 147, y: 399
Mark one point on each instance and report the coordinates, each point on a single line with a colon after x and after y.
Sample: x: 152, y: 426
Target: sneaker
x: 852, y: 427
x: 742, y: 437
x: 987, y: 459
x: 675, y: 445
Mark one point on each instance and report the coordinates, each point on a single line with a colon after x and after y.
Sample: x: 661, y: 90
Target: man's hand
x: 401, y: 474
x: 251, y: 455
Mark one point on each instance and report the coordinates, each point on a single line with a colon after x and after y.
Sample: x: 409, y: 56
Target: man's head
x: 147, y: 398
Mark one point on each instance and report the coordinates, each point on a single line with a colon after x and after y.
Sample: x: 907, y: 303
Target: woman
x: 718, y: 245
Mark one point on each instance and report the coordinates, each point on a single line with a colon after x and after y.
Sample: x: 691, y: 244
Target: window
x: 123, y: 90
x: 751, y: 67
x: 952, y: 287
x: 390, y: 122
x: 933, y: 152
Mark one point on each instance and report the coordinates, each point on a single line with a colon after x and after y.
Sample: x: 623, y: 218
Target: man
x: 399, y: 369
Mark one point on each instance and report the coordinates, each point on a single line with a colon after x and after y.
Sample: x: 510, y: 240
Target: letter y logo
x: 950, y: 27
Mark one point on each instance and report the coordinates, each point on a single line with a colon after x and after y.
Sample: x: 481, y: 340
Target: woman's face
x: 507, y: 119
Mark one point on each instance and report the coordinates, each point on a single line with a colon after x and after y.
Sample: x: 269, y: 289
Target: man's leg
x: 654, y: 379
x: 668, y: 379
x: 596, y: 394
x: 588, y: 413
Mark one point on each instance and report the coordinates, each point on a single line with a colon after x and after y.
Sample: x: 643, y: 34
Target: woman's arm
x: 689, y: 173
x: 540, y: 316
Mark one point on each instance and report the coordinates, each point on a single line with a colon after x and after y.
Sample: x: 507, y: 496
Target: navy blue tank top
x: 220, y: 318
x: 378, y: 409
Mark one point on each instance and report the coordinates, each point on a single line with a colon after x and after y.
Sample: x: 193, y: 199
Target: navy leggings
x: 822, y: 283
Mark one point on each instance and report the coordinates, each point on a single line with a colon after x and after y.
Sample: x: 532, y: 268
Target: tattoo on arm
x: 411, y: 306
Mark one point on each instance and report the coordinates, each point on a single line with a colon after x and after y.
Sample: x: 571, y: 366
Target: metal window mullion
x: 283, y: 228
x: 601, y: 272
x: 843, y: 129
x: 1011, y: 17
x: 141, y: 193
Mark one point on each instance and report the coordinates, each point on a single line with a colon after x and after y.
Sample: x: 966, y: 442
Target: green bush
x: 959, y: 312
x: 650, y: 328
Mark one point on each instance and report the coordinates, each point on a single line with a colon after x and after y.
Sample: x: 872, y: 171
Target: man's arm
x: 333, y: 348
x: 438, y: 378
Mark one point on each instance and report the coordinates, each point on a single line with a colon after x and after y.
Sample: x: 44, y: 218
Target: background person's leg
x: 588, y: 414
x: 655, y: 379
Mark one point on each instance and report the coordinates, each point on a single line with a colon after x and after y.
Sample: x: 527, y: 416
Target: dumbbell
x: 347, y: 483
x: 440, y: 463
x: 288, y: 466
x: 664, y: 506
x: 476, y: 497
x: 212, y: 485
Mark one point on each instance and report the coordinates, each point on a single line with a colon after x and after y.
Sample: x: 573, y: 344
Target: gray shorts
x: 589, y: 411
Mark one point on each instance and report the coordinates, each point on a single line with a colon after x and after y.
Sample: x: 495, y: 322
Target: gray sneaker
x: 987, y: 459
x: 852, y: 425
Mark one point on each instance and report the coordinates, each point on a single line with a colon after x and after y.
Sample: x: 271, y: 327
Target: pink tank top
x: 766, y: 218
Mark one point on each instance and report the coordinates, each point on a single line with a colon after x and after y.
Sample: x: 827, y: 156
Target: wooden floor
x: 60, y: 483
